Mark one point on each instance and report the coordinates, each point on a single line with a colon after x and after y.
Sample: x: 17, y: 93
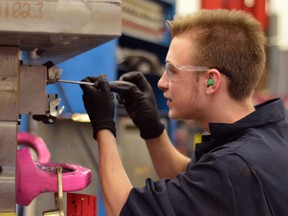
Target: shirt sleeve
x: 205, y: 189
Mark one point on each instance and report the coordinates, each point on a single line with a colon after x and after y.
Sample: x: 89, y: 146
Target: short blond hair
x: 233, y: 41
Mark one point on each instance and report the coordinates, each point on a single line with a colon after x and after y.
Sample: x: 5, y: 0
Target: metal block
x: 33, y: 90
x: 9, y: 114
x: 56, y: 30
x: 9, y: 72
x: 8, y: 145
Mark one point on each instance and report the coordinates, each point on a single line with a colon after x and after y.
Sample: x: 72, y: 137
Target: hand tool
x: 116, y: 86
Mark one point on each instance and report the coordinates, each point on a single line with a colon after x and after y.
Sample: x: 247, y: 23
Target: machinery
x: 33, y: 33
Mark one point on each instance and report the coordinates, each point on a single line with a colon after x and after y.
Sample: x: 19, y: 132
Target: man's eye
x: 173, y: 71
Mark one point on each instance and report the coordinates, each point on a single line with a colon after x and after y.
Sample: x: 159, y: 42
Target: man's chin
x: 172, y: 115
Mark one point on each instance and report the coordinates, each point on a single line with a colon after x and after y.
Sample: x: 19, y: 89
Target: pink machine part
x: 37, y: 143
x: 34, y: 178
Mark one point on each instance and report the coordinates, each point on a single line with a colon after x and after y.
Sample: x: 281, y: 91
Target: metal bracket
x: 51, y: 112
x: 33, y: 98
x: 53, y: 72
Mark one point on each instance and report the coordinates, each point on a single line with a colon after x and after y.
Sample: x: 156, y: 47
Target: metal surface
x: 7, y: 163
x: 56, y: 30
x: 33, y: 90
x: 9, y: 94
x: 38, y: 31
x: 9, y: 67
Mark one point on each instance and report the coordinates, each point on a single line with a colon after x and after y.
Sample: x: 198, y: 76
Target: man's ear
x: 210, y: 82
x: 213, y: 81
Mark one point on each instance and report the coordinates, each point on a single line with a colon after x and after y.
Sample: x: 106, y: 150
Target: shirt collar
x: 267, y: 112
x: 221, y: 133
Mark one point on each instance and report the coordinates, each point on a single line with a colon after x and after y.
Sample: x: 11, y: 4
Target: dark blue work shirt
x: 240, y: 169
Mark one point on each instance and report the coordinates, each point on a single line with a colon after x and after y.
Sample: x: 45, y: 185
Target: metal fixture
x: 35, y: 33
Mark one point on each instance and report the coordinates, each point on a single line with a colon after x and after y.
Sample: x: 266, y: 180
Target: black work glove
x: 99, y: 104
x: 140, y: 103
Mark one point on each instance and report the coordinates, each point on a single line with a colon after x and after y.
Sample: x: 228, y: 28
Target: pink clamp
x: 37, y: 143
x: 34, y: 178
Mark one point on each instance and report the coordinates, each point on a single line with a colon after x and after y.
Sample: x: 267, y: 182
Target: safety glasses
x: 172, y: 71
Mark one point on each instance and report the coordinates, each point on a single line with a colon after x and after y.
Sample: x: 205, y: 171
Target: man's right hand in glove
x: 140, y: 103
x: 99, y: 104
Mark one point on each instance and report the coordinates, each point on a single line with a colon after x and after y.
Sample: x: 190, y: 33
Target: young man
x: 213, y: 65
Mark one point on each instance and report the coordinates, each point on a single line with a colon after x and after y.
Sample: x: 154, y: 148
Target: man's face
x: 181, y: 88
